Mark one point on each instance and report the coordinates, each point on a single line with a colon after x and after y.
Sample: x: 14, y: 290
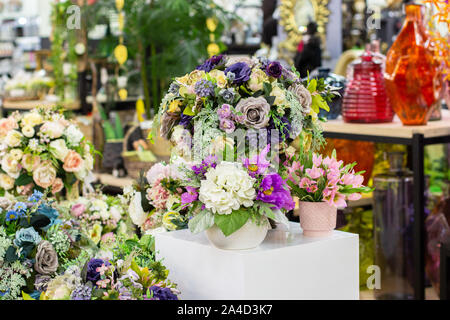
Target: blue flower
x: 27, y: 235
x: 20, y: 207
x: 162, y: 293
x: 36, y: 196
x: 12, y: 215
x: 241, y: 72
x: 50, y: 213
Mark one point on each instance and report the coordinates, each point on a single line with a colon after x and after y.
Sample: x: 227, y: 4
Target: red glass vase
x: 413, y: 75
x: 365, y: 97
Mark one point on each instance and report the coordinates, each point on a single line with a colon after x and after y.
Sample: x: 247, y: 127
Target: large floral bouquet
x: 128, y: 272
x: 314, y: 178
x: 42, y: 150
x: 34, y: 245
x: 225, y: 94
x: 100, y: 216
x: 229, y: 194
x: 155, y: 200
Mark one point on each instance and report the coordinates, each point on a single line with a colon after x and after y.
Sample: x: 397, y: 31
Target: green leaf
x: 270, y: 100
x: 229, y: 223
x: 11, y: 255
x: 267, y: 88
x: 188, y: 111
x: 312, y: 85
x: 23, y: 180
x: 201, y: 221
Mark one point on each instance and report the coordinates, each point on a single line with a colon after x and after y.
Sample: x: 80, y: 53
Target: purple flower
x: 162, y: 293
x: 257, y: 164
x: 185, y: 121
x: 225, y: 111
x: 92, y: 274
x: 189, y: 196
x: 211, y: 63
x: 209, y: 162
x: 204, y: 88
x: 285, y: 129
x: 274, y: 69
x: 241, y: 72
x: 273, y: 190
x: 82, y: 292
x: 227, y: 125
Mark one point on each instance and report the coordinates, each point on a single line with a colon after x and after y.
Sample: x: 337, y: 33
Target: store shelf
x: 393, y: 129
x: 110, y: 180
x: 30, y: 104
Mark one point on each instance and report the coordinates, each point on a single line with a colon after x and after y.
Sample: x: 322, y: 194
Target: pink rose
x: 45, y: 174
x: 78, y: 209
x: 108, y: 237
x: 54, y: 129
x: 7, y: 124
x: 73, y: 162
x: 57, y: 186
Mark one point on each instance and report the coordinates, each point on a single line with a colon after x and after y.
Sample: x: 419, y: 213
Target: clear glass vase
x: 393, y: 229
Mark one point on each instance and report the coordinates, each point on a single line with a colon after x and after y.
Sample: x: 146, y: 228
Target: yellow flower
x: 96, y: 233
x: 220, y: 78
x: 280, y: 97
x: 168, y: 218
x: 184, y: 80
x: 257, y: 79
x: 32, y: 119
x: 174, y: 106
x: 196, y: 75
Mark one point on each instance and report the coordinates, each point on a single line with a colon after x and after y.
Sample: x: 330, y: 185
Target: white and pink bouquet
x: 314, y: 178
x: 42, y: 150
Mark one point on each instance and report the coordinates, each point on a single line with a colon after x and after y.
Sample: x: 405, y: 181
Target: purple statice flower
x: 185, y: 121
x: 224, y: 111
x: 274, y: 69
x: 189, y: 196
x: 160, y: 293
x: 273, y: 189
x: 92, y: 274
x: 211, y: 63
x: 204, y: 88
x: 82, y: 292
x: 241, y: 72
x: 285, y: 129
x: 227, y: 125
x: 257, y: 164
x: 209, y: 162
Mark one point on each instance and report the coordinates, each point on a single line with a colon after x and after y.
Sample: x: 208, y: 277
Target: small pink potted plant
x: 322, y: 184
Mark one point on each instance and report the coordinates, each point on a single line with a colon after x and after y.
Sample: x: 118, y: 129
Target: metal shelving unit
x: 417, y: 137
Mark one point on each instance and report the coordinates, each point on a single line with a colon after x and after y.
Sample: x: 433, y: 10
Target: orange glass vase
x: 413, y: 77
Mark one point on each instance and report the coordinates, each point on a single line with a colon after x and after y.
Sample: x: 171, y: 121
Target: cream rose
x: 32, y: 119
x: 280, y: 96
x: 16, y: 154
x: 57, y: 185
x: 73, y: 162
x: 11, y: 166
x: 13, y: 138
x: 28, y: 131
x: 53, y: 129
x: 44, y: 175
x: 59, y: 149
x: 257, y: 79
x: 6, y: 182
x: 30, y: 162
x: 220, y: 77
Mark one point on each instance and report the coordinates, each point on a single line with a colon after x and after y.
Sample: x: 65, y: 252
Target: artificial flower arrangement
x: 155, y: 200
x: 128, y: 271
x: 42, y: 150
x: 34, y: 245
x: 100, y: 216
x: 226, y: 94
x: 314, y: 178
x: 230, y: 194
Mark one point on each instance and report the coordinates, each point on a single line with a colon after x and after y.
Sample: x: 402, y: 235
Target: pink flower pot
x: 317, y: 219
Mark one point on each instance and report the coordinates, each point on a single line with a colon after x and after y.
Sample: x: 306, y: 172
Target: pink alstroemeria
x: 306, y: 182
x: 292, y: 170
x: 317, y: 160
x: 102, y: 269
x: 314, y: 172
x: 103, y: 283
x: 354, y: 196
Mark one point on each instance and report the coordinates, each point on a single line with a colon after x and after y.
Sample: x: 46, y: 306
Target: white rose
x: 74, y: 135
x: 59, y: 149
x: 280, y: 96
x: 31, y: 119
x: 227, y: 188
x: 28, y: 131
x: 136, y: 212
x: 116, y: 213
x: 11, y: 166
x: 6, y: 182
x: 16, y: 154
x: 53, y: 129
x: 13, y: 138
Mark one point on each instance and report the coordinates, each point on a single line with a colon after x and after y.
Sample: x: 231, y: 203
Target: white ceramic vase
x: 249, y: 236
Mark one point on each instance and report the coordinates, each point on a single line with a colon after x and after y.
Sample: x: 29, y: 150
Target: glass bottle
x: 393, y: 213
